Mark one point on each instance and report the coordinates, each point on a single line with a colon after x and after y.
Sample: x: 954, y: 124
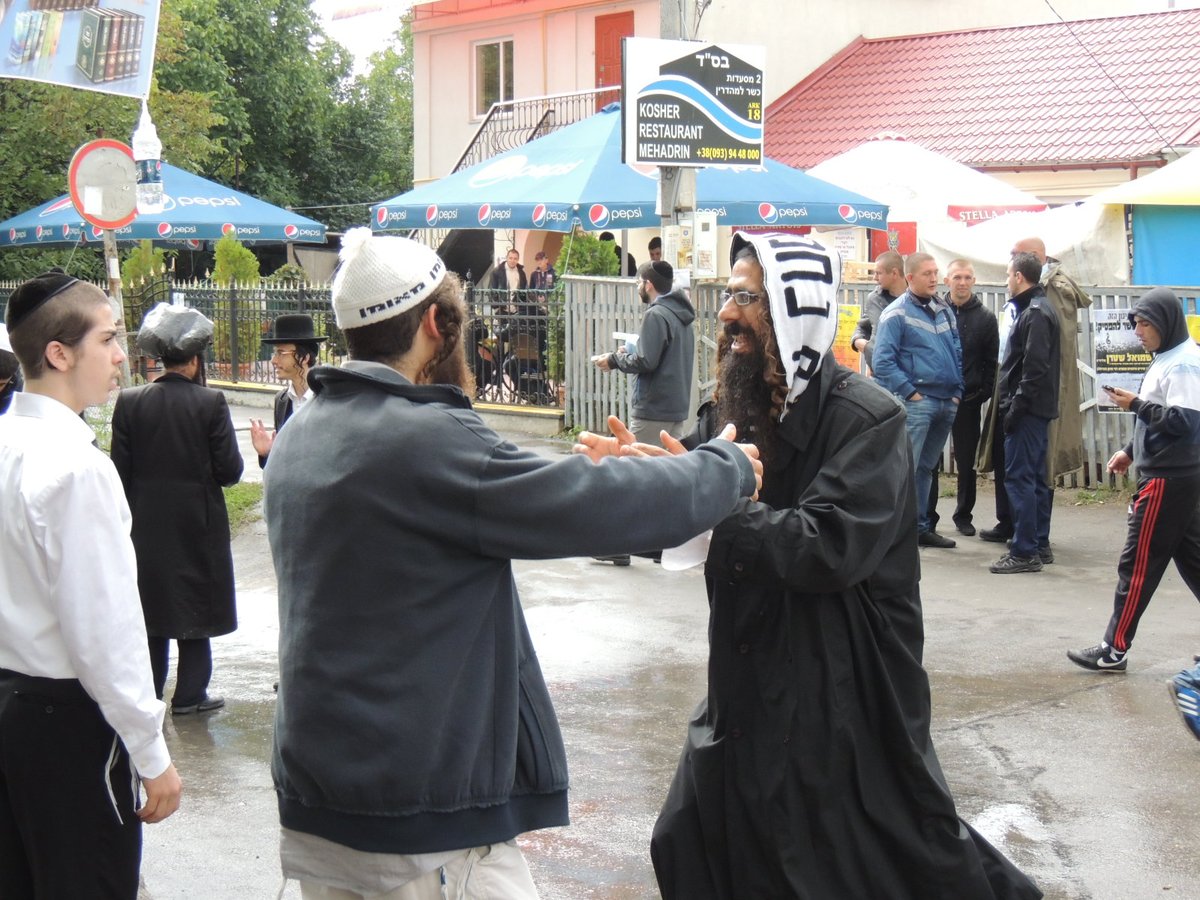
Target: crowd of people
x: 415, y: 737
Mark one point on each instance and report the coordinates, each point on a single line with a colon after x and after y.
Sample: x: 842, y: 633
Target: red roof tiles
x: 1103, y: 91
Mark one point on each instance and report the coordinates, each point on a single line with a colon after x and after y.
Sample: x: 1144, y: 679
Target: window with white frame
x: 493, y: 74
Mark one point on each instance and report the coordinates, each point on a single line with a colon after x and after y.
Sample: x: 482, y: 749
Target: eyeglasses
x: 741, y: 298
x: 284, y: 353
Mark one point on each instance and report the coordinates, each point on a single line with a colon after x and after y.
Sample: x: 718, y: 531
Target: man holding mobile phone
x: 1164, y: 519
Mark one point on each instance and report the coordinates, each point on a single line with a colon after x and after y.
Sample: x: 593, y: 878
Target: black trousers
x: 1164, y: 525
x: 964, y: 435
x: 192, y: 674
x: 1004, y: 522
x: 68, y: 825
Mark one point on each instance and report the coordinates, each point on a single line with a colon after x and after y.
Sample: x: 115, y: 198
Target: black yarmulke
x: 33, y: 293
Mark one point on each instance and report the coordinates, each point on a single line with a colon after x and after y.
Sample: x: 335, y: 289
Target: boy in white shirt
x: 79, y: 722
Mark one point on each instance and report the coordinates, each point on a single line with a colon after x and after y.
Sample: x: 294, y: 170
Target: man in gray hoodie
x: 663, y: 359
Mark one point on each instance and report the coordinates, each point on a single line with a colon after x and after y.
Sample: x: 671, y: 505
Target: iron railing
x: 530, y: 348
x: 511, y: 123
x: 515, y: 346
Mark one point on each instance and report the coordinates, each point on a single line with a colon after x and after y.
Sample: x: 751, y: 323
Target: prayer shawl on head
x: 802, y: 278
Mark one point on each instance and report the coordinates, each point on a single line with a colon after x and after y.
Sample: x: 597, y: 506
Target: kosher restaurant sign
x: 692, y: 104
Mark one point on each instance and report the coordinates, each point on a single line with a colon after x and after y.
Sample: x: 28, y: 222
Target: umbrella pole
x: 112, y: 265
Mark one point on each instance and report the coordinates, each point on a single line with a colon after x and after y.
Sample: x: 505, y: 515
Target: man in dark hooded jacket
x: 663, y: 358
x: 808, y: 772
x: 1164, y: 522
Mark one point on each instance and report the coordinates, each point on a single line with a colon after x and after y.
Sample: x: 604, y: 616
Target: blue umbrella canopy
x: 195, y: 210
x: 575, y: 176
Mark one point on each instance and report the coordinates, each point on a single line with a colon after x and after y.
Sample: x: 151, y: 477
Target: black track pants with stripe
x: 1164, y: 525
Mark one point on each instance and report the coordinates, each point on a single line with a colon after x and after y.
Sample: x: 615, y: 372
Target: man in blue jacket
x: 919, y: 359
x: 414, y: 734
x: 1164, y: 519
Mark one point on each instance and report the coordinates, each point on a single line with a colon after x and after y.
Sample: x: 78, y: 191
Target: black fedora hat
x: 294, y: 328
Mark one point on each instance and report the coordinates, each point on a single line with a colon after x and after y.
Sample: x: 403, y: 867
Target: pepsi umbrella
x: 575, y: 176
x: 195, y: 210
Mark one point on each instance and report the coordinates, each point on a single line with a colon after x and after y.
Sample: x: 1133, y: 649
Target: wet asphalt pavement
x: 1087, y: 781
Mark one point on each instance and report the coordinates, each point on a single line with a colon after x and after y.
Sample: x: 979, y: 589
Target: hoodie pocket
x: 541, y: 757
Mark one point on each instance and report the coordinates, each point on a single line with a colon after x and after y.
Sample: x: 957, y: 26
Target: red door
x: 609, y: 31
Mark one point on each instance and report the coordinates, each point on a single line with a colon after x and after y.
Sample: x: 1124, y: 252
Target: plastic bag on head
x: 174, y: 332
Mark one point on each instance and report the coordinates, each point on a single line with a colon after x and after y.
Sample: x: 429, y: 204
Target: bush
x: 288, y: 274
x: 586, y: 254
x: 235, y: 264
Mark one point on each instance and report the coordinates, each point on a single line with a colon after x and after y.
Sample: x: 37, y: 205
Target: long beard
x: 453, y: 370
x: 744, y: 395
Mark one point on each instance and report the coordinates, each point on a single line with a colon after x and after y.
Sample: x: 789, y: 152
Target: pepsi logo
x: 193, y: 244
x: 848, y: 213
x: 290, y: 232
x: 12, y: 234
x: 768, y: 213
x: 431, y: 214
x: 381, y: 216
x: 539, y: 215
x: 598, y: 215
x: 229, y: 228
x: 164, y: 229
x: 66, y: 229
x: 485, y: 213
x: 97, y: 233
x: 39, y: 232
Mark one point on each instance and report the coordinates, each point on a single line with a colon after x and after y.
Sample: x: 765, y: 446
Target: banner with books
x: 98, y: 45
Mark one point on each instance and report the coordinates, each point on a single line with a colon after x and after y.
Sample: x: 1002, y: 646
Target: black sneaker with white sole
x: 1101, y: 658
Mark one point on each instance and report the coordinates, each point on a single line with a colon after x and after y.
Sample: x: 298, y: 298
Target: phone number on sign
x: 729, y: 153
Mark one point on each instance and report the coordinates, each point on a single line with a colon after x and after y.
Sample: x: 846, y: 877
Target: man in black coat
x: 296, y: 345
x: 1028, y: 402
x: 510, y: 276
x: 173, y: 445
x: 979, y: 335
x: 808, y: 771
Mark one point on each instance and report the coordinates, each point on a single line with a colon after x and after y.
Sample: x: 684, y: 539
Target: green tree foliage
x: 585, y: 254
x: 298, y: 130
x: 234, y: 263
x: 143, y: 263
x: 250, y: 93
x: 42, y: 125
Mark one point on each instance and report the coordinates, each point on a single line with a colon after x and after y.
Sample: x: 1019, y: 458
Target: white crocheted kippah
x: 802, y: 278
x: 381, y: 276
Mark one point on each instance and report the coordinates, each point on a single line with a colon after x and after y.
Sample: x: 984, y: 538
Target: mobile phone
x: 1108, y: 387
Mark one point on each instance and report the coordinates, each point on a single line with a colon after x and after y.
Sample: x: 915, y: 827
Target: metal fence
x: 515, y: 345
x: 598, y: 307
x: 530, y: 348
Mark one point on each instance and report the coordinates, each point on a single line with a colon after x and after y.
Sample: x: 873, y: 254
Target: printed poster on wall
x: 843, y: 350
x: 97, y: 45
x: 1121, y: 361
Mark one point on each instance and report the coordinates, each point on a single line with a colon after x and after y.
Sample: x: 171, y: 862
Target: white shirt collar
x: 298, y: 400
x: 39, y: 406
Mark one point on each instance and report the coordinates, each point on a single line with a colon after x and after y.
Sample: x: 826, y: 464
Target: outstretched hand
x: 597, y: 446
x: 729, y: 433
x: 260, y: 438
